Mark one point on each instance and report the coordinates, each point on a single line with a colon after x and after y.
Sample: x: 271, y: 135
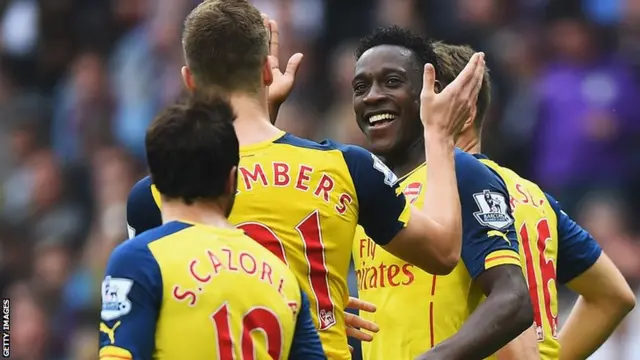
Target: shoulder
x: 349, y: 151
x: 467, y: 162
x: 470, y: 171
x: 292, y: 140
x: 142, y: 195
x: 143, y: 207
x: 364, y: 164
x: 141, y: 189
x: 130, y: 253
x: 360, y: 162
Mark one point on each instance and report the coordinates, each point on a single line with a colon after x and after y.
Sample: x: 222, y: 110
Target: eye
x: 359, y: 88
x: 393, y: 82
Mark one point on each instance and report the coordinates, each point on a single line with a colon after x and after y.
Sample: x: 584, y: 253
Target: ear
x: 267, y: 75
x: 232, y: 181
x: 187, y: 78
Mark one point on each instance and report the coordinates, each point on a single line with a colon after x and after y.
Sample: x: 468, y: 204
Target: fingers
x: 350, y: 348
x: 357, y: 334
x: 293, y: 64
x: 466, y: 80
x: 428, y: 80
x: 273, y: 33
x: 478, y: 76
x: 265, y: 22
x: 274, y: 41
x: 355, y: 321
x: 358, y: 304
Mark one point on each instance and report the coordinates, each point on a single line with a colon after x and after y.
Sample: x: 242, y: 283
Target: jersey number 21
x: 310, y: 233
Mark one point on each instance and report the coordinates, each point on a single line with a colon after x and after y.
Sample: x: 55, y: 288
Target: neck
x: 469, y: 142
x: 403, y: 162
x: 201, y: 212
x: 252, y: 122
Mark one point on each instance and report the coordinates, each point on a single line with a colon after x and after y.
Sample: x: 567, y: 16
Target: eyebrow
x: 385, y: 71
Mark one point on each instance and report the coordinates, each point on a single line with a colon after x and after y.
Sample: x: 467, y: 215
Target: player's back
x: 218, y: 293
x: 536, y: 223
x: 297, y: 198
x: 302, y: 200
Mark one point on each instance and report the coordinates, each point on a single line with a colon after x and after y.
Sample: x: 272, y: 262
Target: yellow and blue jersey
x: 553, y: 248
x: 302, y: 200
x: 189, y: 291
x: 417, y: 310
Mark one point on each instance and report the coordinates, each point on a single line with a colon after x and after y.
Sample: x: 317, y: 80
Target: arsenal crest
x: 412, y: 191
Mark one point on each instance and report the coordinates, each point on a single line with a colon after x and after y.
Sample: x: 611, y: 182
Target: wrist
x: 439, y: 138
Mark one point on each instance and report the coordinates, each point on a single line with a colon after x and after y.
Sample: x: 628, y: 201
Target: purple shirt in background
x: 565, y: 152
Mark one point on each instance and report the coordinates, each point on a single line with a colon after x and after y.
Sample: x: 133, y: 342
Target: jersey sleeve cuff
x: 111, y: 352
x: 502, y: 257
x: 565, y: 277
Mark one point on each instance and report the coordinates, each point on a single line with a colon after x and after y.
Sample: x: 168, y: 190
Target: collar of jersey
x: 213, y: 229
x: 261, y: 144
x: 480, y: 156
x: 412, y: 171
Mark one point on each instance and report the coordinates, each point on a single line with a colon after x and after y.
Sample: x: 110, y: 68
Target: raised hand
x: 283, y: 82
x: 448, y: 110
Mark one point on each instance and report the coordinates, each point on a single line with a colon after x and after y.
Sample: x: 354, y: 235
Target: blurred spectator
x: 83, y: 110
x: 340, y: 123
x: 29, y: 335
x: 18, y: 186
x: 587, y: 99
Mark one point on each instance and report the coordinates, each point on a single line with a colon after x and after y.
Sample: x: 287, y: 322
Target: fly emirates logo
x: 374, y: 273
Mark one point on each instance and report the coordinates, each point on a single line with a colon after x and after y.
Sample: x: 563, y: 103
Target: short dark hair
x: 419, y: 45
x: 191, y: 149
x: 225, y: 44
x: 453, y: 59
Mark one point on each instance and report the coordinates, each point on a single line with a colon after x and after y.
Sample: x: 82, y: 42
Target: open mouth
x: 380, y: 120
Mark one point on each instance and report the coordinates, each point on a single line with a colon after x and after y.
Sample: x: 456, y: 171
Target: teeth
x: 380, y: 117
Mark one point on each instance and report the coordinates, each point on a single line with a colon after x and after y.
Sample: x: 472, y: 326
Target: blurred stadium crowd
x: 81, y: 79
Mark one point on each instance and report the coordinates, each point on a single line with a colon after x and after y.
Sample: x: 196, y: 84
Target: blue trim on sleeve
x: 577, y: 249
x: 381, y: 203
x: 481, y: 235
x: 132, y: 261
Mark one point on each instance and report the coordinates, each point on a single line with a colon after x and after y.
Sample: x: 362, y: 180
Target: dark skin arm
x: 504, y: 315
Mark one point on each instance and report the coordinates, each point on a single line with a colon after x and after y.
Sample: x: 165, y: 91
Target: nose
x: 374, y: 95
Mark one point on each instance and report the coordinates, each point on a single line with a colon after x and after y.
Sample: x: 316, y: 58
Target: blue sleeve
x: 131, y: 297
x: 142, y: 211
x: 306, y: 342
x: 381, y: 204
x: 577, y: 249
x: 488, y: 236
